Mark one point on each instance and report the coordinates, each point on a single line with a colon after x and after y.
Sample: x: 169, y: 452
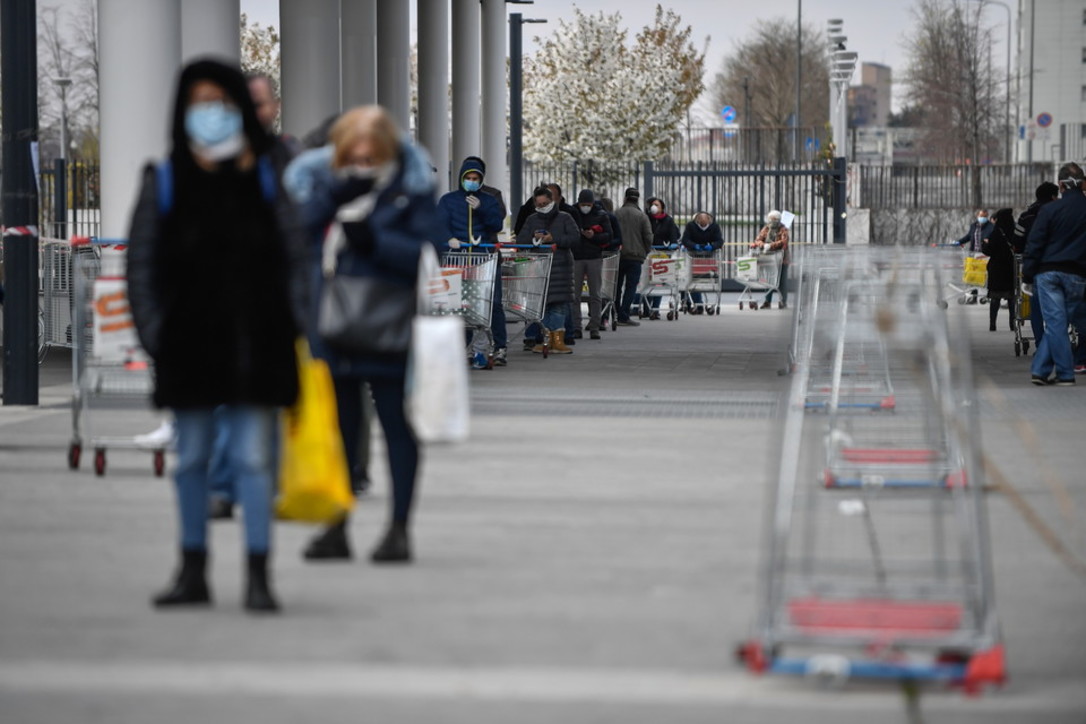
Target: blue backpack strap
x: 164, y: 186
x: 269, y: 185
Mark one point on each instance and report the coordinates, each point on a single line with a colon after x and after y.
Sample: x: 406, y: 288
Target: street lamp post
x: 516, y: 106
x: 60, y: 166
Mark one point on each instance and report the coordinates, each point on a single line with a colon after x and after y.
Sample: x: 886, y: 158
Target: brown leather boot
x: 558, y: 343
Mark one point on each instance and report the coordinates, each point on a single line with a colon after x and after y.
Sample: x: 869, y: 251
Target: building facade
x: 1051, y: 80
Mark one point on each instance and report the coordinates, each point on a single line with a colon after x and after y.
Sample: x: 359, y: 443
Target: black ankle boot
x: 394, y: 547
x: 329, y: 545
x: 190, y: 586
x: 258, y: 595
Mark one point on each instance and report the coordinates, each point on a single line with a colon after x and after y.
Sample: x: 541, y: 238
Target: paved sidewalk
x: 591, y: 555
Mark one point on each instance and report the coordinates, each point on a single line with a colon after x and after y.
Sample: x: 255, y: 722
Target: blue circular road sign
x: 1044, y: 120
x: 729, y: 113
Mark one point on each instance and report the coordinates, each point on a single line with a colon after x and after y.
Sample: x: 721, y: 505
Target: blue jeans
x: 554, y: 318
x: 629, y: 274
x: 1036, y: 322
x: 1059, y: 294
x: 220, y: 475
x: 248, y: 453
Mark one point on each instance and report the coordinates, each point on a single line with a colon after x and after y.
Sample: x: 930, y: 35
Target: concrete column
x: 394, y: 60
x: 433, y: 45
x: 211, y: 27
x: 466, y: 32
x: 309, y: 40
x: 495, y: 93
x: 358, y: 22
x: 139, y: 46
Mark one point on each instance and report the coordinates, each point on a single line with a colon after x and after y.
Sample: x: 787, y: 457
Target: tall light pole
x: 799, y: 75
x: 842, y: 66
x: 516, y: 107
x: 60, y: 165
x: 1009, y: 128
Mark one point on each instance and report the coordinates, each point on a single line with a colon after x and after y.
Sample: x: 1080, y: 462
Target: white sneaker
x: 160, y: 437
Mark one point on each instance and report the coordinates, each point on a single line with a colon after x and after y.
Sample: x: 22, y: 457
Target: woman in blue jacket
x: 388, y: 186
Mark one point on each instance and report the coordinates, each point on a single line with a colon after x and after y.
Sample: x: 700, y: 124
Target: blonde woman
x: 368, y: 202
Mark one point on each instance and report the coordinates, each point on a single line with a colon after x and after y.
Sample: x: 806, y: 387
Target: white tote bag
x: 438, y: 404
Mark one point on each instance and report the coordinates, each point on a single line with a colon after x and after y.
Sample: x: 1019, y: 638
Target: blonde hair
x: 371, y: 122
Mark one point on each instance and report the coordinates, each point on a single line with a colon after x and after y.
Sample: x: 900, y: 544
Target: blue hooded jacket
x: 480, y: 223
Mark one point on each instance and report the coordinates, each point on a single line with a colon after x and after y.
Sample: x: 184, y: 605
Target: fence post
x: 60, y: 198
x: 840, y: 167
x: 648, y: 180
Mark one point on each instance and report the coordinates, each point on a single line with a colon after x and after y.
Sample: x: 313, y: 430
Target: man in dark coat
x: 1045, y: 193
x: 1055, y: 263
x: 550, y: 226
x: 702, y: 236
x: 596, y: 234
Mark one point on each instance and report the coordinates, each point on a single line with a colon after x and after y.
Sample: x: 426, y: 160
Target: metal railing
x: 80, y: 198
x: 950, y: 187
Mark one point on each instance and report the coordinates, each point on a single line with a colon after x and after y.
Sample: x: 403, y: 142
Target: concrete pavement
x: 590, y: 555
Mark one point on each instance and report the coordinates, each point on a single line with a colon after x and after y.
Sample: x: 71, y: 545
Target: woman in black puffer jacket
x: 1000, y: 252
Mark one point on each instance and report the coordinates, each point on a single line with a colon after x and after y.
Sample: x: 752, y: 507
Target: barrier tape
x: 20, y: 231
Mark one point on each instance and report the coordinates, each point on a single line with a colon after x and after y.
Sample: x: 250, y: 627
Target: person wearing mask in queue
x: 1044, y: 194
x: 497, y: 313
x: 772, y: 238
x: 473, y: 217
x: 702, y: 236
x: 216, y: 287
x: 374, y: 193
x: 665, y: 234
x: 979, y: 232
x: 551, y: 226
x: 1000, y: 252
x: 636, y: 244
x: 595, y: 228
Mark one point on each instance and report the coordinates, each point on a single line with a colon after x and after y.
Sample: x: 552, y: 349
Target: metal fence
x: 78, y: 194
x: 950, y: 187
x: 751, y: 146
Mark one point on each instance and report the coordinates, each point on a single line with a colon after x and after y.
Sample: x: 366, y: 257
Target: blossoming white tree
x: 589, y: 97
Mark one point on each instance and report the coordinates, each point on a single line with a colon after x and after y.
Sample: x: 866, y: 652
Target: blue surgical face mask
x: 212, y: 124
x: 472, y: 186
x: 982, y: 220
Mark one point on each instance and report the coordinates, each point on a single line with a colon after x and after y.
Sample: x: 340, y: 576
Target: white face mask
x: 703, y: 227
x: 654, y: 209
x: 546, y: 209
x: 585, y: 209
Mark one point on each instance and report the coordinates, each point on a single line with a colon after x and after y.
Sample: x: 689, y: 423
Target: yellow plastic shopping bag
x: 314, y: 484
x: 976, y: 271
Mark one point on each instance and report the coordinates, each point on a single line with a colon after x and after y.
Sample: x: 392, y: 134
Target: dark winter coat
x: 1057, y: 241
x: 665, y: 231
x: 600, y: 223
x: 216, y: 285
x: 564, y: 230
x: 616, y: 233
x: 386, y: 244
x: 1000, y: 255
x: 465, y: 223
x: 710, y: 239
x: 976, y: 236
x: 1025, y: 223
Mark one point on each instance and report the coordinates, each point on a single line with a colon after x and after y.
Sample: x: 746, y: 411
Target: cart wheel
x: 943, y: 304
x: 984, y: 300
x: 1017, y: 350
x: 159, y: 463
x: 962, y: 300
x: 614, y: 325
x: 75, y: 450
x: 740, y: 306
x: 1025, y: 346
x: 100, y: 461
x: 546, y: 351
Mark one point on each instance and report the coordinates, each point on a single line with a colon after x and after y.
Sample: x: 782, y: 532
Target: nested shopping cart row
x: 878, y: 556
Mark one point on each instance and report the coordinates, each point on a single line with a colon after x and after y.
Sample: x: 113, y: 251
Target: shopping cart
x: 1022, y: 309
x: 472, y: 272
x: 705, y: 279
x: 110, y: 373
x: 665, y: 273
x: 608, y: 287
x: 969, y: 285
x: 758, y: 273
x: 526, y: 273
x: 878, y: 556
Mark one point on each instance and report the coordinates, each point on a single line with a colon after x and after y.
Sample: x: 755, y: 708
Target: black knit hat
x: 632, y: 193
x: 586, y: 197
